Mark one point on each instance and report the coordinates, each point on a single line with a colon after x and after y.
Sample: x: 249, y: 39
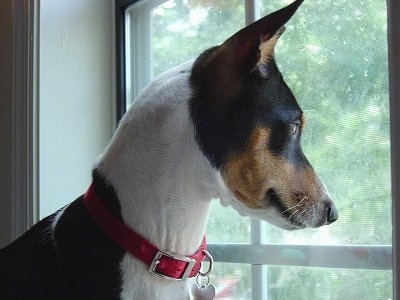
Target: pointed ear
x: 256, y: 42
x: 219, y: 71
x: 267, y: 46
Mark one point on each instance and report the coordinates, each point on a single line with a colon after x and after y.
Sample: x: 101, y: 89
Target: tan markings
x: 267, y: 45
x: 303, y: 120
x: 246, y: 173
x: 253, y: 172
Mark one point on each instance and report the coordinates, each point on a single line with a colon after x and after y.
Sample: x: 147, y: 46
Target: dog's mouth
x: 273, y: 199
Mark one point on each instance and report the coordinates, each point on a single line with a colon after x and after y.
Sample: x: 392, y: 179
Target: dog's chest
x: 96, y: 268
x: 138, y: 283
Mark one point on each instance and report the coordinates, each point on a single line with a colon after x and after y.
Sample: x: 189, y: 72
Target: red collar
x: 163, y: 263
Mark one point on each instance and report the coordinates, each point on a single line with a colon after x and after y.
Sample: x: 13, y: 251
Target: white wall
x: 76, y: 95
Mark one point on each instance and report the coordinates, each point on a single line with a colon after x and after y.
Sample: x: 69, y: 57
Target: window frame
x: 393, y: 8
x: 19, y: 118
x: 120, y: 24
x: 229, y: 252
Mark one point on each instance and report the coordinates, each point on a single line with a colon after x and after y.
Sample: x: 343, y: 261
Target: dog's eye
x: 294, y: 128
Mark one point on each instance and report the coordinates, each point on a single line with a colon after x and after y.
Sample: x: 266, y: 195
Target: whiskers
x: 298, y: 212
x: 297, y: 205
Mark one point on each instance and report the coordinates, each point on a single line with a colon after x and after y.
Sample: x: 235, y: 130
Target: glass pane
x: 330, y: 284
x: 181, y: 30
x: 336, y: 66
x: 232, y: 281
x: 226, y: 226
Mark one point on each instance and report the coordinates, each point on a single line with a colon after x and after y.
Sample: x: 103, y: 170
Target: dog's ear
x: 255, y: 43
x: 220, y: 69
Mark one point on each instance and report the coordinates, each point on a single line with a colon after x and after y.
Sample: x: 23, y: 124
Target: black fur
x: 235, y: 90
x: 223, y: 126
x: 76, y: 261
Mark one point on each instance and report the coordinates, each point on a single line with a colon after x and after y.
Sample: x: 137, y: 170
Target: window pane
x: 226, y: 226
x: 312, y: 283
x: 336, y: 66
x: 232, y: 281
x: 181, y: 30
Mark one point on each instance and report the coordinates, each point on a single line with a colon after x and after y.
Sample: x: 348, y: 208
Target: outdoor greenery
x: 333, y: 56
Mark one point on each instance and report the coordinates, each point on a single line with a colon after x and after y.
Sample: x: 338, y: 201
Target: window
x: 337, y: 67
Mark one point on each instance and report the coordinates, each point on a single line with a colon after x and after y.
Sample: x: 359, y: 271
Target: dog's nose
x: 331, y: 214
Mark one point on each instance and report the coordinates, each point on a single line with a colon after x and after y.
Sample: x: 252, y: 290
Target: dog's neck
x: 162, y: 180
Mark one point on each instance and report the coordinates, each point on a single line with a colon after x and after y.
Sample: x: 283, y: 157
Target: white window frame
x: 342, y: 256
x: 394, y: 99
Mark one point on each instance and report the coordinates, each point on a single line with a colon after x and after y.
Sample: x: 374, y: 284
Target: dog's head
x: 249, y: 125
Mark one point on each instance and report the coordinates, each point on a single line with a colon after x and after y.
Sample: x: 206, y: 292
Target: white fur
x: 163, y: 181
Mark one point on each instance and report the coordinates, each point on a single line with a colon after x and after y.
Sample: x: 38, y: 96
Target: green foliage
x: 182, y: 30
x: 333, y: 56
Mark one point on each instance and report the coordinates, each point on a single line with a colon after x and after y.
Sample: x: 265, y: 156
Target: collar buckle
x: 190, y: 262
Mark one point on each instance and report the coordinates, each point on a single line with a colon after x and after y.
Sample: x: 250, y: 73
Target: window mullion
x: 394, y: 74
x: 252, y: 11
x: 364, y: 257
x: 258, y: 272
x: 138, y: 31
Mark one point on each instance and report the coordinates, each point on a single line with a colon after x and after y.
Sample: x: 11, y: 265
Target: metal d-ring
x: 200, y: 284
x: 211, y: 261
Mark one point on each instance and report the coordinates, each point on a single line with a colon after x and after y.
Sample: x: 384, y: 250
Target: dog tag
x: 205, y: 292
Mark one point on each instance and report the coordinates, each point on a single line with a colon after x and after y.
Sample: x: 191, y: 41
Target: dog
x: 222, y: 126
